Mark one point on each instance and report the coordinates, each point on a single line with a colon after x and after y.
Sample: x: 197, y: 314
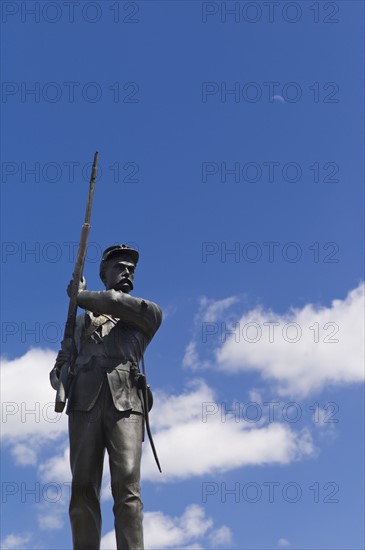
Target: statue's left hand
x: 62, y: 358
x: 54, y: 377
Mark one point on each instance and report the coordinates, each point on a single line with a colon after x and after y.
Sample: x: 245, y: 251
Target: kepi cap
x: 118, y: 250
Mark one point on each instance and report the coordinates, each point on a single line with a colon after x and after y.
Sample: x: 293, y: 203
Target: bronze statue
x: 108, y: 399
x: 104, y: 403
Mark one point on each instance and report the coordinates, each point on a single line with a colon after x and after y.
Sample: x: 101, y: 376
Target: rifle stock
x: 68, y: 343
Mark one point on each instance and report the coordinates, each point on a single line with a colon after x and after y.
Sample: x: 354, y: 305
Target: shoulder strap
x: 96, y: 323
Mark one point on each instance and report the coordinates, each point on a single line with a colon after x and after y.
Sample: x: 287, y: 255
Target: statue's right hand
x: 82, y: 286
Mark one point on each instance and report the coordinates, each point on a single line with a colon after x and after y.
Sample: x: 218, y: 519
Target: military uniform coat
x: 111, y: 336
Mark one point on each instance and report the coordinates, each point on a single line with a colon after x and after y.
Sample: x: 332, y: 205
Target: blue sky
x: 231, y: 154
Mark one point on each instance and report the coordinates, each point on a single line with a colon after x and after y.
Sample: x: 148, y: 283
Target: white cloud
x: 326, y: 418
x: 56, y: 469
x: 169, y: 311
x: 28, y: 398
x: 191, y: 359
x: 308, y: 349
x: 283, y: 543
x: 187, y: 446
x: 51, y: 521
x: 191, y: 355
x: 55, y: 483
x: 170, y: 410
x: 221, y: 537
x: 162, y: 531
x: 24, y: 455
x: 16, y: 542
x: 211, y: 310
x: 108, y: 541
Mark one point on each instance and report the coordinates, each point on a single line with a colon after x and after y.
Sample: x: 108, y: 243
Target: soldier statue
x: 106, y: 409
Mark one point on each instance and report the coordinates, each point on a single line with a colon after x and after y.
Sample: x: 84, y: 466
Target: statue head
x: 117, y: 267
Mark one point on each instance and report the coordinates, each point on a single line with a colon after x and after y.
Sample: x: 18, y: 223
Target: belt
x: 108, y: 363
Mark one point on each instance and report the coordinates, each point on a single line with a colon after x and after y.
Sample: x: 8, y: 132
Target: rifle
x: 68, y: 343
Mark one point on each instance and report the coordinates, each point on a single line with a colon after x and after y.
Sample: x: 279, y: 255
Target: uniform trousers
x: 90, y: 433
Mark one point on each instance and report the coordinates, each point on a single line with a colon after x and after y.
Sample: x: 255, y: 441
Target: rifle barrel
x: 69, y: 331
x: 91, y: 188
